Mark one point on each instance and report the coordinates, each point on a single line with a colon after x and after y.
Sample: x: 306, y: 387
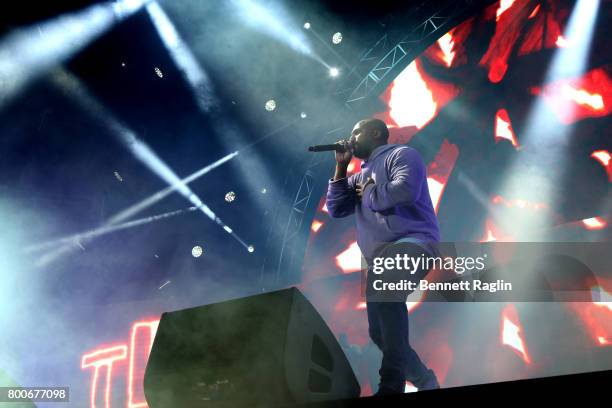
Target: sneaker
x: 382, y: 390
x: 427, y: 382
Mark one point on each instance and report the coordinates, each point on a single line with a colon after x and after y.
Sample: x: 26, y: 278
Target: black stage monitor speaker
x: 266, y: 350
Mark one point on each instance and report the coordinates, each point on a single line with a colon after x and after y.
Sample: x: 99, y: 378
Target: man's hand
x: 360, y: 187
x: 342, y: 160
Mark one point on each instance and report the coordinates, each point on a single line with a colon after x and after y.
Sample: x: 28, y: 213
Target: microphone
x: 328, y: 148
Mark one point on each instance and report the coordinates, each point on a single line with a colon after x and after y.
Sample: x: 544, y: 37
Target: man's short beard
x: 359, y: 152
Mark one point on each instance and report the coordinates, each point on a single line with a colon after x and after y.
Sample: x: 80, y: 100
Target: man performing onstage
x: 391, y: 202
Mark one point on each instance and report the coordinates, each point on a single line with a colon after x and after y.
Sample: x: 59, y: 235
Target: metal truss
x: 386, y: 57
x: 293, y: 227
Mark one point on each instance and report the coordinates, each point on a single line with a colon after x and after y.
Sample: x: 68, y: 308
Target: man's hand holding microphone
x: 343, y: 158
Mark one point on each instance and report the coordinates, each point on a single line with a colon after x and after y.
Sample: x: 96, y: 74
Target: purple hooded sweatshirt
x: 397, y: 206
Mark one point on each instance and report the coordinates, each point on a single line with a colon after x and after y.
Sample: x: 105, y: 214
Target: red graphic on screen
x: 589, y: 96
x: 503, y: 128
x: 512, y: 333
x: 105, y: 358
x: 603, y: 156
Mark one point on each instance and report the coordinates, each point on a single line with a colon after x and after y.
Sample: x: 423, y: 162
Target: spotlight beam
x: 333, y: 51
x: 546, y: 142
x: 193, y: 73
x: 73, y: 88
x: 158, y: 196
x: 571, y: 60
x: 149, y: 201
x: 230, y: 134
x: 69, y: 243
x: 28, y: 53
x: 79, y: 238
x: 273, y: 21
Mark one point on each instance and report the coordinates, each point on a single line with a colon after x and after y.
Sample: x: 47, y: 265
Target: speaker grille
x: 320, y: 355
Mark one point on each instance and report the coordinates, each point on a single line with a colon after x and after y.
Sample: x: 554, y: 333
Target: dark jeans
x: 388, y: 329
x: 388, y: 323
